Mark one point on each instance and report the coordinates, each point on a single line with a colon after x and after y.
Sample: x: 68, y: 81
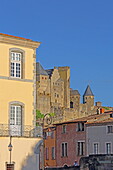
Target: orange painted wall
x: 50, y: 142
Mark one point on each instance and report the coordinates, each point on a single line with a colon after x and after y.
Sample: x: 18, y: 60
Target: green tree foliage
x: 106, y: 108
x: 40, y: 115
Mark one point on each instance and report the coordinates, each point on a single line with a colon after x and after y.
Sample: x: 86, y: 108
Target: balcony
x: 20, y: 131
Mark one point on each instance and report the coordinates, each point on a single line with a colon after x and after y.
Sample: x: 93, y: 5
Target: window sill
x: 19, y: 79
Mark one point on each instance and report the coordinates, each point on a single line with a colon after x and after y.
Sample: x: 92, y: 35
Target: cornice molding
x: 19, y: 42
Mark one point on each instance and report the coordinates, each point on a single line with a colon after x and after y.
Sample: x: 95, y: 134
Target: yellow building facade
x: 17, y: 99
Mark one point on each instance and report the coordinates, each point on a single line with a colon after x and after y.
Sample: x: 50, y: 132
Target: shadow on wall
x: 32, y: 161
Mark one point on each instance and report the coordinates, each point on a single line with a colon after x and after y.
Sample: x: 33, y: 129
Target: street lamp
x: 10, y: 148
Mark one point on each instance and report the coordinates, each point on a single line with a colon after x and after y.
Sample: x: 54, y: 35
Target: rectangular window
x: 47, y: 153
x: 64, y: 129
x: 53, y: 152
x: 81, y: 148
x: 15, y: 65
x: 64, y: 149
x: 15, y: 115
x: 110, y: 129
x: 15, y: 120
x: 108, y: 148
x: 80, y: 126
x: 95, y: 148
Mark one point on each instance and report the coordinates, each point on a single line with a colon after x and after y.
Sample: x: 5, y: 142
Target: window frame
x: 18, y: 103
x: 80, y: 148
x: 96, y: 151
x: 80, y: 127
x: 64, y: 129
x: 16, y: 115
x: 64, y: 149
x: 53, y: 153
x: 22, y: 63
x: 109, y: 129
x: 16, y: 64
x: 106, y: 149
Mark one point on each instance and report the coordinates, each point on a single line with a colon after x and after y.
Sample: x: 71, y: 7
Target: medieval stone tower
x: 74, y: 99
x: 64, y: 73
x: 53, y: 89
x: 43, y: 89
x: 88, y: 98
x: 54, y: 95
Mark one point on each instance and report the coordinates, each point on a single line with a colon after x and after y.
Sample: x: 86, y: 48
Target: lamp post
x: 48, y: 120
x: 10, y: 148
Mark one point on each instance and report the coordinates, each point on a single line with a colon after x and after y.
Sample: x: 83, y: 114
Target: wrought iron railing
x: 24, y: 131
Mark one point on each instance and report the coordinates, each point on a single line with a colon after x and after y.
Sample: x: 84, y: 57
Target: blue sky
x: 75, y: 33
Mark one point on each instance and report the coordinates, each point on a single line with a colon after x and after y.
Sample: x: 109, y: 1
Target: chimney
x: 98, y: 104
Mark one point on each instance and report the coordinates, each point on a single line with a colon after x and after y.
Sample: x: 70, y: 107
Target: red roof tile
x: 15, y: 37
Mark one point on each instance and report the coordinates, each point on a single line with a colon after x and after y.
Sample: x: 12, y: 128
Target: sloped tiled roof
x: 107, y: 120
x: 74, y: 92
x: 40, y: 70
x: 16, y: 37
x: 91, y: 118
x: 88, y: 91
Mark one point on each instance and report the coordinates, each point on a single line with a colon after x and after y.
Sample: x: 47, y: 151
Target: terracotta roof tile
x: 15, y: 37
x: 92, y: 118
x: 108, y: 120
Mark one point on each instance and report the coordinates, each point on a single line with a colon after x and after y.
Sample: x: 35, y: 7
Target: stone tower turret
x: 64, y: 73
x: 74, y: 99
x: 88, y: 97
x: 43, y: 89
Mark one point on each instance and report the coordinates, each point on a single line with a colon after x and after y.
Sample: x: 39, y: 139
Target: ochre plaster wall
x: 22, y: 151
x: 16, y: 90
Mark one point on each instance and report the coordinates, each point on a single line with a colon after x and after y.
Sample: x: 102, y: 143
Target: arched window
x: 16, y: 63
